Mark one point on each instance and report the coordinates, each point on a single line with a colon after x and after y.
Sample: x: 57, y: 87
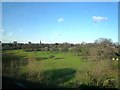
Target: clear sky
x: 59, y: 22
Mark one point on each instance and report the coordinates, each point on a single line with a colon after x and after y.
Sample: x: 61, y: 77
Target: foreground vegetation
x: 73, y: 67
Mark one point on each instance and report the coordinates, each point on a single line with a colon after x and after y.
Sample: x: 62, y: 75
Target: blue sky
x: 59, y: 22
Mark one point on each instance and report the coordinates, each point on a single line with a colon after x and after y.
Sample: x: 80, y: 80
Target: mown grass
x: 64, y: 69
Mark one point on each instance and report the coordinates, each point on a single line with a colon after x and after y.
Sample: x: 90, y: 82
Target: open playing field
x: 55, y: 69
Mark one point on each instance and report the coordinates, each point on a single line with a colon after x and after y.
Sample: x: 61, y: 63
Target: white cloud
x: 60, y: 20
x: 10, y: 33
x: 99, y: 18
x: 21, y: 29
x: 1, y: 30
x: 56, y: 34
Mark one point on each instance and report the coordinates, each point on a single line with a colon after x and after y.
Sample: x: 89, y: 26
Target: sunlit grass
x: 60, y: 61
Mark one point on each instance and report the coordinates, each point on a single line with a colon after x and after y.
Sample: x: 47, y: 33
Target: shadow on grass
x: 41, y: 58
x: 44, y: 58
x: 8, y: 58
x: 11, y: 63
x: 49, y: 79
x: 56, y: 77
x: 58, y: 58
x: 9, y: 83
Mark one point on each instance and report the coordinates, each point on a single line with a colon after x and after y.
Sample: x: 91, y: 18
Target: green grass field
x: 59, y: 69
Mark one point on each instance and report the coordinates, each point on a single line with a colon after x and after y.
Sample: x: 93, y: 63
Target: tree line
x: 102, y: 48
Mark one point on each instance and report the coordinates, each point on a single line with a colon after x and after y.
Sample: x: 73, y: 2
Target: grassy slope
x: 65, y: 60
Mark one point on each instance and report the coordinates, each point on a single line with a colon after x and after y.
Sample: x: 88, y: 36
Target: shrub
x: 110, y: 83
x: 51, y: 56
